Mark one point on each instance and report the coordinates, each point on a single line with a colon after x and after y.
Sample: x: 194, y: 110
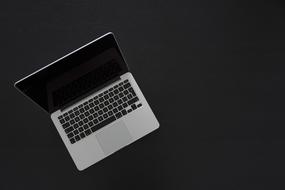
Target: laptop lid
x: 76, y: 75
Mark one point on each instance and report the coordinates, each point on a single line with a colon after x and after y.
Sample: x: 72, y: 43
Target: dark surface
x: 212, y: 71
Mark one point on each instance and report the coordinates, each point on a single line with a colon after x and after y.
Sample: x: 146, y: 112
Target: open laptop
x: 93, y: 99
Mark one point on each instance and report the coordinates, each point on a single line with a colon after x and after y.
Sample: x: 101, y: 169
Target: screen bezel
x: 105, y: 42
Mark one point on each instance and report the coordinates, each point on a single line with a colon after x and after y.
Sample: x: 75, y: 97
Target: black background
x: 212, y: 71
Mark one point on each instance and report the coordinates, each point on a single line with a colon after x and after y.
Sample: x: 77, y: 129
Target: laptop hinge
x: 66, y: 106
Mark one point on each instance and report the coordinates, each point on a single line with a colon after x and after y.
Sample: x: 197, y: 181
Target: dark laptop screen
x: 75, y: 75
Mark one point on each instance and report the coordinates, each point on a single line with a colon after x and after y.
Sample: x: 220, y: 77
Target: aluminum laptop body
x: 93, y: 100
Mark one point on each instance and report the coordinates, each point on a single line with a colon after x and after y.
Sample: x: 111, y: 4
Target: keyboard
x: 99, y: 111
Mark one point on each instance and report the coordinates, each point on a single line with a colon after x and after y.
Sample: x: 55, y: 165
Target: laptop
x: 93, y: 100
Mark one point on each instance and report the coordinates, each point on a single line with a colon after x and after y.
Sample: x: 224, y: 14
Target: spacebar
x: 106, y: 122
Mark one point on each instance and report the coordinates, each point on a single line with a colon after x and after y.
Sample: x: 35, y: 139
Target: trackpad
x: 114, y: 137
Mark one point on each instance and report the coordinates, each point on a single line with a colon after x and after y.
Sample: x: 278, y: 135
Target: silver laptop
x: 93, y: 99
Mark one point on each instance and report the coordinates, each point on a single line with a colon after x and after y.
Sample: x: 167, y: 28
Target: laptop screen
x: 75, y: 75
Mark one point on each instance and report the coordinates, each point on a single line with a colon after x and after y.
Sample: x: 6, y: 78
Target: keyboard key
x: 68, y: 130
x: 111, y: 100
x: 86, y: 113
x: 69, y: 135
x: 96, y: 108
x: 121, y: 83
x: 115, y: 104
x: 101, y: 105
x: 76, y: 132
x: 106, y: 96
x: 96, y: 102
x: 100, y: 118
x: 90, y: 123
x: 82, y: 135
x: 93, y: 129
x: 139, y: 105
x: 130, y: 110
x: 106, y: 122
x: 80, y: 123
x: 62, y: 121
x: 81, y: 110
x: 125, y: 92
x: 121, y: 89
x: 131, y: 90
x: 101, y: 99
x: 92, y: 105
x: 115, y: 110
x: 91, y: 111
x: 76, y: 113
x: 135, y: 99
x: 129, y: 96
x: 110, y: 107
x: 65, y: 125
x: 86, y: 107
x: 75, y: 126
x: 76, y: 119
x: 125, y: 105
x: 100, y: 112
x: 105, y: 116
x: 120, y: 101
x: 116, y: 97
x: 80, y: 129
x: 134, y: 106
x: 90, y: 117
x: 121, y: 94
x: 72, y: 115
x: 81, y: 116
x: 88, y: 132
x: 69, y: 112
x: 118, y: 115
x: 77, y: 138
x: 124, y: 112
x: 116, y: 86
x: 95, y: 115
x: 116, y: 91
x: 95, y: 121
x: 110, y: 113
x: 106, y: 103
x: 125, y: 99
x: 120, y: 108
x: 72, y: 121
x: 85, y: 120
x: 127, y: 85
x: 72, y: 141
x: 67, y: 118
x: 105, y: 109
x: 60, y: 117
x: 100, y: 95
x: 111, y: 94
x: 85, y: 126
